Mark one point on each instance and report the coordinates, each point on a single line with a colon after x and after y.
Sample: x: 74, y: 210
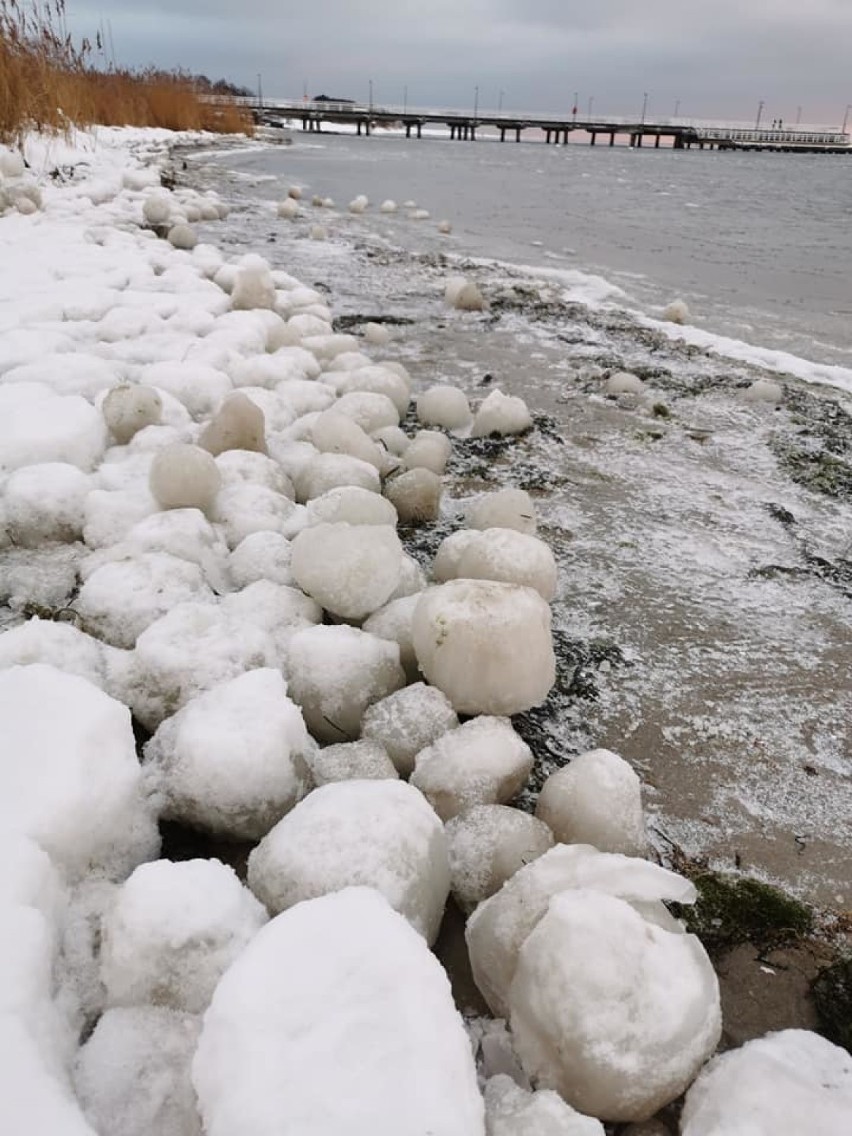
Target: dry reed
x: 47, y: 82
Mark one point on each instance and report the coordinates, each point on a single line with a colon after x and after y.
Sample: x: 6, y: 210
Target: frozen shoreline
x: 700, y: 620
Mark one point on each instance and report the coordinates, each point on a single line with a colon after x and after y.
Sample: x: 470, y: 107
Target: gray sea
x: 704, y: 619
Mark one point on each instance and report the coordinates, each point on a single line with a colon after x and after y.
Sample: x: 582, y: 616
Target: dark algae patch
x: 817, y: 453
x: 832, y: 995
x: 738, y: 909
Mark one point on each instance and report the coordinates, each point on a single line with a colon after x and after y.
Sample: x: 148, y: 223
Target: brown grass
x: 47, y: 82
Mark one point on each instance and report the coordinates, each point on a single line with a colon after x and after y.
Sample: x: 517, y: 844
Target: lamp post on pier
x: 574, y: 108
x: 371, y: 98
x: 644, y: 106
x: 475, y: 104
x: 677, y: 107
x: 759, y: 113
x: 405, y: 99
x: 845, y: 118
x: 260, y: 90
x: 500, y: 101
x: 591, y: 104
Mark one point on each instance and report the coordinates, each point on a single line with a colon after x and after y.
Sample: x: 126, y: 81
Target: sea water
x: 759, y: 245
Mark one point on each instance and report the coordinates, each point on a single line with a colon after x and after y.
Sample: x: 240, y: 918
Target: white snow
x: 350, y: 570
x: 488, y: 844
x: 408, y: 721
x: 336, y: 1020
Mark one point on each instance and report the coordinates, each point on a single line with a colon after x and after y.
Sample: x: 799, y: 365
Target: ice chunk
x: 512, y: 1111
x: 444, y: 406
x: 381, y: 378
x: 416, y: 495
x: 450, y: 551
x: 596, y: 799
x: 129, y: 409
x: 70, y: 777
x: 377, y: 333
x: 261, y: 555
x: 783, y: 1084
x: 45, y: 503
x: 488, y: 844
x: 235, y: 759
x: 350, y: 570
x: 408, y: 721
x: 486, y: 645
x: 615, y: 1012
x: 333, y: 432
x: 764, y: 390
x: 336, y: 1021
x: 429, y: 449
x: 379, y: 833
x: 237, y: 425
x: 121, y: 599
x: 173, y: 931
x: 501, y: 414
x: 483, y: 762
x: 353, y: 505
x: 336, y: 673
x: 200, y: 388
x: 253, y: 285
x: 245, y: 508
x: 60, y: 645
x: 189, y: 650
x: 364, y: 760
x: 624, y: 382
x: 370, y: 410
x: 676, y: 312
x: 328, y: 471
x: 133, y: 1074
x: 182, y: 236
x: 245, y: 467
x: 278, y: 610
x: 506, y: 509
x: 498, y: 927
x: 394, y: 622
x: 184, y: 477
x: 510, y: 556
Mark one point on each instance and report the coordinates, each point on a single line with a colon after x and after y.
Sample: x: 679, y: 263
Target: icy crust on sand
x: 336, y: 1020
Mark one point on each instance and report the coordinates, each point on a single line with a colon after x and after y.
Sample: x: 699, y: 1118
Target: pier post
x: 502, y: 133
x: 657, y: 142
x: 517, y: 133
x: 419, y: 135
x: 358, y: 125
x: 594, y: 138
x: 408, y: 130
x: 612, y: 138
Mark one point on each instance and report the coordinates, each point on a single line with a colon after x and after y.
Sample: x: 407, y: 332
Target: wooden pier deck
x: 681, y: 134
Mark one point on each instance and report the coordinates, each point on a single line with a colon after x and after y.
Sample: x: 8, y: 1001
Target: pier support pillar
x: 593, y: 138
x: 678, y: 142
x: 408, y: 130
x: 502, y: 133
x: 473, y: 133
x: 419, y: 128
x: 358, y: 125
x: 612, y: 138
x: 517, y: 133
x: 657, y: 142
x: 565, y: 138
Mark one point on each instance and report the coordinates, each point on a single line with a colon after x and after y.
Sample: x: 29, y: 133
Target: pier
x: 462, y: 126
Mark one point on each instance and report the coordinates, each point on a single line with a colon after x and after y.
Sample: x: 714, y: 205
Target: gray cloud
x: 718, y: 59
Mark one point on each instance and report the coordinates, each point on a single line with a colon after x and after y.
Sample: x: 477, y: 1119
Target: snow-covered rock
x: 483, y: 762
x: 336, y: 1020
x: 376, y: 833
x: 596, y: 799
x: 235, y: 759
x: 783, y: 1084
x: 487, y: 645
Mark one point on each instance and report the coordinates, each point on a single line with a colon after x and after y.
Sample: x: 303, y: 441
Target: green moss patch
x: 732, y: 910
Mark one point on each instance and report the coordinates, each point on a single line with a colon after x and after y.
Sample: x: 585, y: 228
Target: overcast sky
x: 716, y: 58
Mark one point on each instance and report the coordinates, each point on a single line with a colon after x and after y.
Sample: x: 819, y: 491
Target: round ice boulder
x: 416, y: 496
x: 261, y: 555
x: 369, y: 409
x: 235, y: 759
x: 498, y: 928
x: 393, y: 622
x: 483, y: 762
x: 596, y: 799
x: 445, y: 566
x: 364, y: 760
x: 505, y: 509
x: 676, y: 312
x: 429, y: 449
x: 237, y: 425
x: 624, y: 382
x: 350, y: 570
x: 486, y: 645
x: 336, y: 1021
x: 783, y: 1084
x: 182, y: 236
x: 501, y: 414
x: 764, y: 390
x: 377, y: 333
x: 335, y: 673
x: 45, y: 502
x: 510, y: 556
x: 129, y: 409
x: 184, y: 477
x: 488, y: 844
x: 444, y: 406
x: 253, y: 285
x: 376, y: 833
x: 641, y: 1018
x: 133, y: 1074
x: 173, y: 931
x: 328, y: 471
x: 353, y: 505
x: 409, y: 720
x: 69, y: 772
